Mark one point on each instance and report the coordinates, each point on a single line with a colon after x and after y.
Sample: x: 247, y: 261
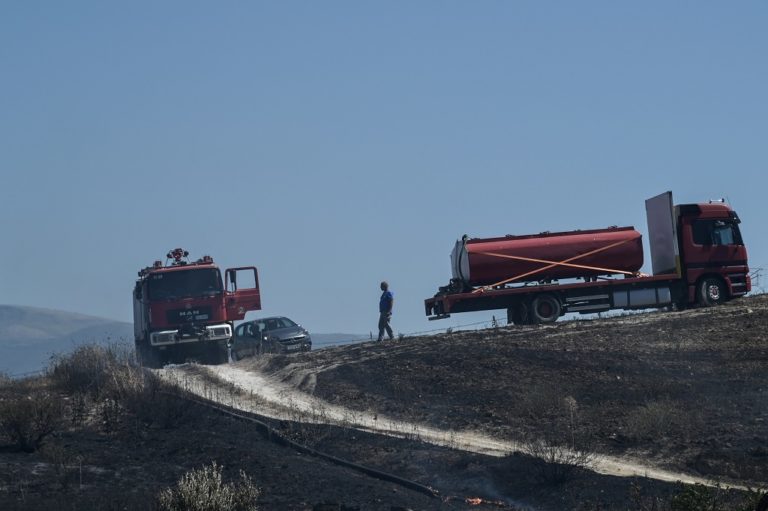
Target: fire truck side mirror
x: 232, y: 277
x: 137, y: 293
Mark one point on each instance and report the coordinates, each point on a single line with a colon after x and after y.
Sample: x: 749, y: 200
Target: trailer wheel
x: 545, y: 309
x: 712, y: 291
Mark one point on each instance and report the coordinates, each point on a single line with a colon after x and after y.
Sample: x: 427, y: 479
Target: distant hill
x: 30, y: 335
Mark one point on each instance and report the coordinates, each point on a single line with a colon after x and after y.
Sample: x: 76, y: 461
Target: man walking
x: 385, y: 311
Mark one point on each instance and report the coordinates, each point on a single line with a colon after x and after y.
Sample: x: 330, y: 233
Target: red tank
x: 547, y: 256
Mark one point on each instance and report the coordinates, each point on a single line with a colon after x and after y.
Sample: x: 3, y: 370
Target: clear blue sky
x: 336, y: 144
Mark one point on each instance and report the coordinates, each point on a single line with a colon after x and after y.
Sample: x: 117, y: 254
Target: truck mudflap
x: 435, y: 309
x: 218, y: 332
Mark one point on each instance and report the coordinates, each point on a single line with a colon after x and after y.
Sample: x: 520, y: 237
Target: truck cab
x: 713, y: 254
x: 184, y: 309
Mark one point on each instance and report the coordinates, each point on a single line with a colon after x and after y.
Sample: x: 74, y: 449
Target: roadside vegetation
x: 204, y: 490
x: 100, y: 390
x: 563, y: 439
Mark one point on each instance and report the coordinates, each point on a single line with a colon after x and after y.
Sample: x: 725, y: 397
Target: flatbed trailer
x: 698, y: 258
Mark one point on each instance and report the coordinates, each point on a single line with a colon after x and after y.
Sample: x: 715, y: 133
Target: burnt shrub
x: 204, y: 490
x: 655, y: 419
x: 148, y: 398
x: 696, y: 497
x: 562, y: 439
x: 28, y: 414
x: 107, y: 377
x: 86, y: 370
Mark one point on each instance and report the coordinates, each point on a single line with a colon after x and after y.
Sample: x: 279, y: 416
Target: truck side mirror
x: 232, y: 279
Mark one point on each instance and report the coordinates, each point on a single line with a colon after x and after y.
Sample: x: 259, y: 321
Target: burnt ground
x: 124, y: 469
x: 685, y: 391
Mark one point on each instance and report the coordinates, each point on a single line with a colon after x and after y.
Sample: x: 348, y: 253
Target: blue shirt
x: 385, y: 303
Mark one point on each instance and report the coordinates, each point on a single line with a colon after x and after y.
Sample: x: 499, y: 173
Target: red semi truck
x: 181, y: 310
x: 697, y: 255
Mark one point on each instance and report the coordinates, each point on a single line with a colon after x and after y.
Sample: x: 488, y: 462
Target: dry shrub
x: 697, y: 497
x: 65, y: 463
x: 108, y: 377
x: 560, y: 438
x: 656, y: 419
x: 204, y: 490
x: 86, y: 370
x: 28, y: 414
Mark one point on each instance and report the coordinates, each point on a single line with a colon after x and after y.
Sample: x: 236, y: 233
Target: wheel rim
x: 713, y: 290
x: 545, y: 310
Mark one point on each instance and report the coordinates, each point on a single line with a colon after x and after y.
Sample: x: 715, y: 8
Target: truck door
x: 242, y: 292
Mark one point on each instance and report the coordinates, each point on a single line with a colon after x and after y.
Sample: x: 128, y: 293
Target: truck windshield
x: 716, y: 232
x: 185, y: 284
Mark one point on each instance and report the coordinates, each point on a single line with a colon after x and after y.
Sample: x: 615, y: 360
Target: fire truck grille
x: 193, y: 315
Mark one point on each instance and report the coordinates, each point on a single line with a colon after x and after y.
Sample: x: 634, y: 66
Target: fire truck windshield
x: 184, y: 284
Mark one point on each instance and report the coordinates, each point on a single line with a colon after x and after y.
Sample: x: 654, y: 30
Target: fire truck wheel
x: 148, y: 358
x: 545, y: 308
x: 712, y: 292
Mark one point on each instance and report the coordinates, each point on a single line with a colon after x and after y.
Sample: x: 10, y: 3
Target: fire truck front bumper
x: 220, y: 332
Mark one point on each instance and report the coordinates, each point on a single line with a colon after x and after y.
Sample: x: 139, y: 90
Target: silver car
x: 269, y: 335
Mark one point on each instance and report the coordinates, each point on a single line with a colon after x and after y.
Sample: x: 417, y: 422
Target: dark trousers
x: 384, y: 325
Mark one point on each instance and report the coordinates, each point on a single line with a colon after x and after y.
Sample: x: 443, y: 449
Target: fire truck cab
x: 183, y: 310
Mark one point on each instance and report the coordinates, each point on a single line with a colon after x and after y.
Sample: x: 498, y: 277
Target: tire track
x: 269, y: 397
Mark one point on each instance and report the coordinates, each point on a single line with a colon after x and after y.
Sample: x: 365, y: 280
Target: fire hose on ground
x: 273, y: 435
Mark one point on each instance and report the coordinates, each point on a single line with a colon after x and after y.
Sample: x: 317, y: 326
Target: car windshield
x: 184, y: 284
x: 268, y: 324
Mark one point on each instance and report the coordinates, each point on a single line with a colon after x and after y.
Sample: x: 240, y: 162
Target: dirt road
x: 269, y: 397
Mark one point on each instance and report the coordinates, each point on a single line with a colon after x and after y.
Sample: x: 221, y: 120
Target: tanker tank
x: 546, y: 256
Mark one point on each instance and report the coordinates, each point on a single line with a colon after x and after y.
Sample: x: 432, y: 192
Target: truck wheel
x: 518, y: 314
x: 149, y: 358
x: 545, y: 309
x: 711, y: 292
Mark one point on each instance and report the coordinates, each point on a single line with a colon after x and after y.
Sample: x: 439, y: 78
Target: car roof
x: 270, y: 317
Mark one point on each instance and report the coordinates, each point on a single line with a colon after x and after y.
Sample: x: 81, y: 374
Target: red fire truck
x: 182, y: 311
x: 697, y: 255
